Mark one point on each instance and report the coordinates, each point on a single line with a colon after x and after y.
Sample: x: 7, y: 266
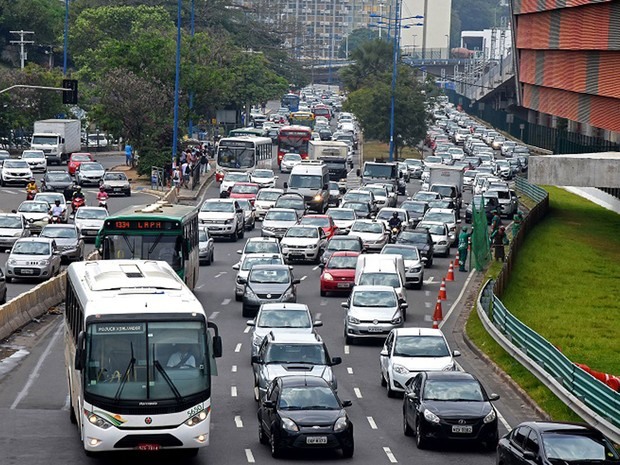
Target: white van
x: 310, y: 179
x: 382, y: 270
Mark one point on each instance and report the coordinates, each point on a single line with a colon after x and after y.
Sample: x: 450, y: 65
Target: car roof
x: 35, y: 239
x: 345, y: 253
x: 416, y: 331
x: 440, y: 210
x: 547, y: 426
x: 280, y: 209
x: 33, y: 201
x: 373, y: 288
x: 220, y: 200
x: 290, y: 194
x: 262, y: 255
x: 92, y: 208
x: 283, y: 337
x: 265, y: 239
x: 315, y: 216
x: 450, y: 375
x: 271, y: 267
x: 299, y: 380
x: 60, y: 226
x: 284, y: 306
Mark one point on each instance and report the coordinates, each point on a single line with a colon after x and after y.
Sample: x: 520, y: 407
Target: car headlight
x: 340, y: 424
x: 17, y: 234
x: 44, y: 262
x: 318, y: 198
x: 12, y: 261
x: 353, y: 320
x: 396, y: 321
x: 198, y: 418
x: 228, y: 221
x: 98, y: 421
x: 449, y: 367
x: 431, y: 417
x: 289, y: 425
x: 105, y: 186
x: 491, y: 416
x: 443, y: 243
x: 249, y: 293
x: 416, y: 269
x: 328, y: 277
x: 401, y: 370
x: 312, y: 246
x: 289, y: 294
x: 256, y: 341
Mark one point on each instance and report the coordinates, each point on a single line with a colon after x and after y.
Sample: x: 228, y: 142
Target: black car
x: 304, y: 412
x: 416, y: 210
x: 491, y: 203
x: 362, y: 209
x: 58, y: 181
x: 325, y: 134
x: 342, y: 244
x: 422, y: 239
x: 549, y: 443
x: 452, y: 405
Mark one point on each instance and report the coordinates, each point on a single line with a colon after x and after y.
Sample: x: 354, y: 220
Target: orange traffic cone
x: 457, y: 259
x: 443, y: 295
x: 435, y: 324
x: 438, y: 313
x: 450, y: 275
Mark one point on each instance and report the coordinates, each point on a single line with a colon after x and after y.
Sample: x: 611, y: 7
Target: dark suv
x: 422, y: 239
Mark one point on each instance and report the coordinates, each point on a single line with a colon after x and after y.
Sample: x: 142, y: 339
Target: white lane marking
x: 503, y: 420
x: 350, y: 370
x: 233, y: 391
x: 303, y: 278
x: 346, y: 350
x: 428, y: 318
x: 247, y: 329
x: 67, y: 405
x: 315, y: 268
x: 427, y: 304
x: 225, y: 302
x: 389, y: 454
x: 358, y: 393
x: 249, y: 456
x: 35, y: 372
x: 200, y: 287
x: 427, y: 293
x: 238, y: 422
x: 323, y: 303
x: 318, y: 316
x: 234, y: 369
x: 213, y: 315
x: 9, y: 192
x: 220, y: 274
x: 458, y: 299
x: 238, y: 347
x: 430, y: 280
x: 372, y: 423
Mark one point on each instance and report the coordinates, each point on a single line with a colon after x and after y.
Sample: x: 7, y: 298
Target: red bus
x: 294, y: 139
x: 322, y: 110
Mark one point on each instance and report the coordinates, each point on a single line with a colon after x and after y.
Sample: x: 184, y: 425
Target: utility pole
x: 23, y: 55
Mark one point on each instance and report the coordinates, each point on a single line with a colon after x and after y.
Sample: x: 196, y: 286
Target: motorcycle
x: 394, y: 232
x: 30, y: 194
x: 55, y: 219
x: 103, y: 203
x: 76, y: 203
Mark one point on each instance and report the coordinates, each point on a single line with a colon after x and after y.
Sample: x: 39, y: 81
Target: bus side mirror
x: 79, y: 352
x: 217, y: 346
x: 286, y: 185
x: 358, y: 172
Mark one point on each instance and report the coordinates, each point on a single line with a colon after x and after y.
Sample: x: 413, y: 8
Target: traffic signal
x: 70, y: 97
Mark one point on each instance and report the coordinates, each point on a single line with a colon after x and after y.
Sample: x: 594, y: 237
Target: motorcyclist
x: 78, y: 194
x: 31, y: 188
x: 395, y: 221
x: 102, y: 197
x: 56, y: 210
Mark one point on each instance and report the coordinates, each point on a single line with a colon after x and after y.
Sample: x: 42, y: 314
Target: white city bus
x: 139, y: 357
x: 244, y: 154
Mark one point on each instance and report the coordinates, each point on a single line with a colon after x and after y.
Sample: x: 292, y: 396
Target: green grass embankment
x: 375, y: 149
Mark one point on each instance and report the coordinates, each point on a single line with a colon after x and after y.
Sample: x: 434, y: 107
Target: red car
x: 244, y: 190
x: 76, y: 159
x: 339, y: 272
x: 324, y: 221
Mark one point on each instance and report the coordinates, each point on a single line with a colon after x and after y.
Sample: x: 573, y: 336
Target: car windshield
x: 413, y: 162
x: 226, y: 207
x: 15, y: 164
x: 283, y: 318
x: 59, y: 233
x: 291, y: 157
x: 302, y: 232
x: 58, y: 177
x: 380, y: 279
x: 352, y: 196
x: 80, y: 158
x: 261, y: 247
x: 341, y: 263
x: 244, y: 204
x: 308, y: 398
x: 244, y: 189
x: 31, y: 248
x: 361, y: 207
x: 34, y: 207
x: 88, y: 214
x: 414, y: 207
x: 306, y: 181
x: 574, y: 447
x: 203, y: 236
x: 375, y: 228
x: 263, y: 174
x: 315, y: 221
x: 279, y: 215
x: 115, y: 177
x: 268, y: 195
x: 237, y: 177
x: 420, y: 346
x: 437, y: 229
x: 333, y: 186
x: 295, y: 204
x: 313, y: 354
x: 412, y: 237
x: 342, y: 214
x: 462, y: 390
x: 263, y: 276
x: 444, y: 191
x: 407, y: 252
x: 378, y: 191
x: 349, y: 244
x: 12, y: 222
x: 374, y: 299
x: 91, y: 167
x: 249, y: 262
x: 33, y: 155
x: 387, y: 214
x: 425, y: 196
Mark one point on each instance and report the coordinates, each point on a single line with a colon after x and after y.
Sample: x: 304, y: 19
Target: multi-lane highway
x: 35, y: 427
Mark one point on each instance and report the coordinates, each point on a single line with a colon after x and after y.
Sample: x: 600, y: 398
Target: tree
x: 355, y: 39
x: 370, y: 60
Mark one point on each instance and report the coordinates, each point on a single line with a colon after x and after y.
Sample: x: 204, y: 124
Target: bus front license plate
x: 148, y: 447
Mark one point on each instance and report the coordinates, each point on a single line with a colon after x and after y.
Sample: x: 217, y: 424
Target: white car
x: 448, y: 216
x: 383, y: 197
x: 265, y: 199
x: 414, y: 267
x: 343, y: 219
x: 223, y: 217
x: 439, y: 234
x: 15, y: 171
x: 89, y: 173
x: 245, y: 265
x: 277, y: 221
x: 304, y: 243
x: 373, y: 234
x: 50, y: 198
x: 385, y: 214
x: 288, y: 161
x: 89, y: 221
x: 407, y: 351
x: 269, y: 245
x: 36, y: 160
x: 36, y: 214
x: 231, y: 178
x: 264, y: 178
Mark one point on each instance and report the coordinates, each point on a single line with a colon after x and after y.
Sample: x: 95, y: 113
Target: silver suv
x: 223, y: 217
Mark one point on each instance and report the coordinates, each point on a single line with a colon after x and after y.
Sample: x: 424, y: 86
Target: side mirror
x: 129, y: 180
x: 286, y: 185
x: 384, y: 353
x: 250, y: 323
x: 456, y: 353
x: 275, y: 177
x: 296, y: 281
x: 239, y: 210
x: 336, y: 361
x: 529, y: 455
x: 13, y: 211
x: 321, y: 265
x: 80, y: 353
x: 404, y: 305
x: 239, y: 252
x: 242, y: 280
x: 458, y: 221
x: 347, y: 403
x: 269, y: 404
x: 411, y: 396
x: 493, y: 397
x: 236, y: 266
x: 325, y: 187
x: 256, y: 359
x: 317, y: 323
x: 358, y: 172
x: 217, y: 346
x: 344, y: 304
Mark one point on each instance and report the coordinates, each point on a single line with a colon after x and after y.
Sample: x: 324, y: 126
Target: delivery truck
x: 57, y: 138
x: 334, y: 155
x: 447, y: 181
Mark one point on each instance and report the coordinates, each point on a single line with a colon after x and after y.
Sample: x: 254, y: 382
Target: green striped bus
x: 160, y: 231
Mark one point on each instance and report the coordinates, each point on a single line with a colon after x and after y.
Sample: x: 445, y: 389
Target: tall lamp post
x: 191, y: 94
x: 394, y: 75
x: 65, y: 40
x: 177, y: 78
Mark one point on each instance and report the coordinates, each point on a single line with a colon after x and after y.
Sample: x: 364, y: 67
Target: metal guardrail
x: 592, y: 400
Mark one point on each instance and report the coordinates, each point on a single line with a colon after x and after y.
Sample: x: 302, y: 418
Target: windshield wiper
x: 129, y: 246
x: 164, y: 375
x: 157, y: 239
x: 130, y: 365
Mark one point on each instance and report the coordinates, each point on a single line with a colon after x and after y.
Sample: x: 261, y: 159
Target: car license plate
x: 375, y: 329
x: 27, y: 271
x: 346, y: 285
x: 117, y: 189
x: 462, y: 429
x: 148, y: 447
x: 316, y: 440
x: 213, y: 228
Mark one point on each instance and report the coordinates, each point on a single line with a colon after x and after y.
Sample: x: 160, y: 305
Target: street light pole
x: 177, y: 79
x: 66, y: 40
x: 191, y: 93
x: 394, y: 75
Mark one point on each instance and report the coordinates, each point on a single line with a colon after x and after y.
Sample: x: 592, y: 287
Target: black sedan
x: 304, y: 412
x: 452, y: 405
x: 416, y: 210
x: 491, y: 203
x: 549, y: 443
x: 422, y: 239
x: 58, y: 181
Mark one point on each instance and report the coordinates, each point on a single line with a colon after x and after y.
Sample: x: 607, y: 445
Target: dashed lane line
x: 234, y: 369
x: 238, y: 421
x: 350, y: 370
x: 358, y: 393
x: 233, y: 391
x: 225, y: 302
x: 247, y: 329
x: 346, y: 350
x: 213, y: 315
x: 238, y: 347
x: 371, y: 422
x: 390, y: 455
x: 249, y: 456
x: 303, y: 278
x: 315, y: 268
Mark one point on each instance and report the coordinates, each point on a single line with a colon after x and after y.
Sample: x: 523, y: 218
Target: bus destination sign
x: 141, y: 225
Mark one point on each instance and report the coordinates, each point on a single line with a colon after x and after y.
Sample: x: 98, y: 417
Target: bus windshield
x: 156, y: 247
x: 296, y: 142
x: 379, y: 171
x: 235, y: 157
x: 137, y: 360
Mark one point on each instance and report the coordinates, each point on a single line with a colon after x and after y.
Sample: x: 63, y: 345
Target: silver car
x: 288, y: 161
x: 440, y: 235
x: 36, y: 214
x: 414, y: 268
x: 373, y: 234
x: 89, y: 221
x: 12, y: 227
x: 50, y: 198
x: 116, y: 182
x: 33, y: 257
x: 206, y: 246
x: 89, y: 173
x: 249, y: 213
x: 68, y: 240
x: 277, y: 221
x: 343, y: 219
x: 265, y: 199
x: 372, y: 311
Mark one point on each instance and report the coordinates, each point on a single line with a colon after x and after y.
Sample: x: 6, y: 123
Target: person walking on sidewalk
x: 463, y: 246
x: 128, y: 154
x: 185, y: 174
x: 499, y: 239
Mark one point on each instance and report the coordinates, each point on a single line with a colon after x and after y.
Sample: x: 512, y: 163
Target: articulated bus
x: 293, y: 139
x: 139, y: 357
x: 242, y: 154
x: 161, y: 231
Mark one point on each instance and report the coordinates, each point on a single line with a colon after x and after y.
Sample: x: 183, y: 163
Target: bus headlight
x: 98, y: 421
x: 198, y: 418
